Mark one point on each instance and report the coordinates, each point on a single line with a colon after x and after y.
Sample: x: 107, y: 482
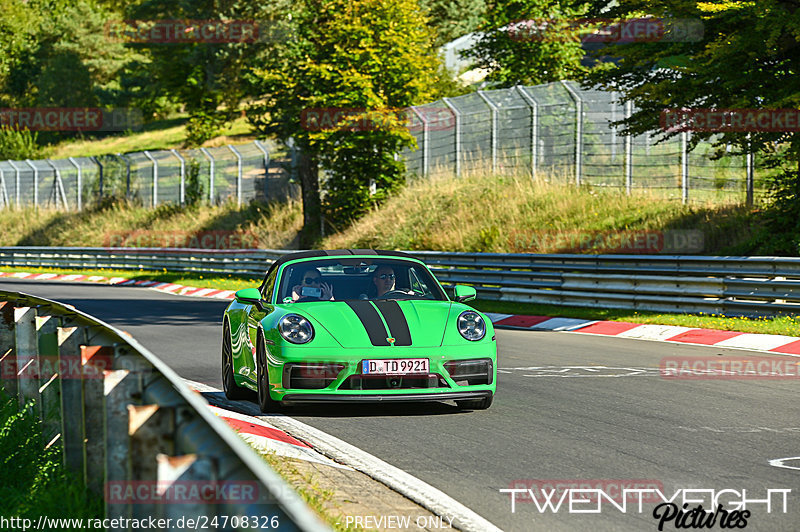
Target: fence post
x: 457, y: 115
x: 80, y: 186
x: 183, y: 175
x: 210, y: 174
x: 749, y: 163
x: 578, y: 132
x: 628, y: 152
x: 684, y: 167
x: 16, y: 179
x: 238, y: 174
x: 613, y: 127
x: 35, y: 182
x: 100, y: 172
x: 3, y: 191
x: 493, y: 109
x: 59, y: 184
x: 155, y: 177
x: 266, y: 165
x: 124, y: 157
x: 534, y: 105
x: 425, y: 139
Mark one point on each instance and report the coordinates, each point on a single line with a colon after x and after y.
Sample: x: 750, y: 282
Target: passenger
x: 312, y: 282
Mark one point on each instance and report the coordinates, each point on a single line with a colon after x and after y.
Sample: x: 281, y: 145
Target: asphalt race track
x: 569, y: 407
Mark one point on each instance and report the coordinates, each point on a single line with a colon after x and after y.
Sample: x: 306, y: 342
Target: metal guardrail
x: 131, y: 429
x: 686, y: 283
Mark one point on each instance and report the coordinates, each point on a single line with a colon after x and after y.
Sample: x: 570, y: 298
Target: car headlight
x: 296, y: 329
x: 471, y: 325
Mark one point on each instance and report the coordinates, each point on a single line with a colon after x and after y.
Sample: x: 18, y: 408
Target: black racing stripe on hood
x: 396, y: 320
x: 371, y: 321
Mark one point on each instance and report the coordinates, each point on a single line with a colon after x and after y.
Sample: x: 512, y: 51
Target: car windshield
x: 356, y: 278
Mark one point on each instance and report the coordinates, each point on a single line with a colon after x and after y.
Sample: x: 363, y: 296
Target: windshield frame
x: 436, y: 289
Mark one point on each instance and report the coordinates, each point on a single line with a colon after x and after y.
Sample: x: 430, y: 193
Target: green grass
x: 34, y: 480
x: 785, y: 325
x: 157, y: 135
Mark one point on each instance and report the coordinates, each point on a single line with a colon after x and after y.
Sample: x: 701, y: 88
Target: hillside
x: 499, y: 214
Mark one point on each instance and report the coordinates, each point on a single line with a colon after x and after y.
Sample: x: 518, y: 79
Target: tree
x: 529, y: 42
x: 452, y: 19
x: 366, y: 58
x: 748, y: 57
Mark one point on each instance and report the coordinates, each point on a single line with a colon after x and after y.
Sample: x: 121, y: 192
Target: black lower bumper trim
x: 339, y: 398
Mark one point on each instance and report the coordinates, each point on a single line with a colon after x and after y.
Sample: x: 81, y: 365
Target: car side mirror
x: 249, y: 296
x: 464, y: 293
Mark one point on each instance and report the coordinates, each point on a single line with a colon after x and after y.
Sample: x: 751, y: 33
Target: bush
x: 18, y: 144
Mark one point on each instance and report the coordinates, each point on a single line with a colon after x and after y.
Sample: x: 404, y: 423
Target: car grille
x: 393, y: 382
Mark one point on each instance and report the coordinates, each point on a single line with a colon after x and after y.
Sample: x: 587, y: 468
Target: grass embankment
x: 35, y: 481
x: 157, y: 135
x: 469, y: 214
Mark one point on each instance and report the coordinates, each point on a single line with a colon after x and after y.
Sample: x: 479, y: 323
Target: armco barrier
x: 131, y: 429
x: 686, y: 283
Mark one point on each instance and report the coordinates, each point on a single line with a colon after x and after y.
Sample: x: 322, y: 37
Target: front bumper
x: 384, y: 398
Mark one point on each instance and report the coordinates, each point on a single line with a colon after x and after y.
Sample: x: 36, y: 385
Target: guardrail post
x: 628, y: 152
x: 534, y: 105
x: 187, y: 468
x: 95, y: 360
x: 578, y: 132
x: 80, y: 183
x: 16, y: 179
x: 27, y: 358
x: 457, y: 144
x: 155, y: 177
x: 238, y: 174
x: 425, y: 141
x: 183, y: 175
x: 151, y: 429
x: 8, y: 352
x: 211, y: 161
x: 493, y: 109
x: 50, y: 385
x: 70, y: 340
x: 35, y: 182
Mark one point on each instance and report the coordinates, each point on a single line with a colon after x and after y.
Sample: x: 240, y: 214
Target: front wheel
x: 476, y: 404
x: 233, y: 391
x: 265, y: 402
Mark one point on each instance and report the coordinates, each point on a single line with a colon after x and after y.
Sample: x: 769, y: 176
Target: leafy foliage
x: 514, y: 52
x: 18, y: 144
x: 452, y: 19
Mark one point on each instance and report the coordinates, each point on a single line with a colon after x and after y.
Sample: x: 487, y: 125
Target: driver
x: 383, y: 279
x: 311, y: 287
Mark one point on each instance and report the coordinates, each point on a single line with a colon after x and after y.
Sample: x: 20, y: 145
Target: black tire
x: 265, y: 402
x: 233, y: 391
x: 476, y: 404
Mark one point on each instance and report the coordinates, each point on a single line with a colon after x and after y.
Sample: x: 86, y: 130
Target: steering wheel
x: 393, y: 293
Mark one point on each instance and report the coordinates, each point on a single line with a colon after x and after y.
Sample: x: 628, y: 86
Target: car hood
x: 363, y: 324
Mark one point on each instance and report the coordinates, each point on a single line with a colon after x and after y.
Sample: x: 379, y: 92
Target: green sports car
x: 356, y: 325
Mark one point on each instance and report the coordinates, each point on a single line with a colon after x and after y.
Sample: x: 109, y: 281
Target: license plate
x: 395, y: 366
